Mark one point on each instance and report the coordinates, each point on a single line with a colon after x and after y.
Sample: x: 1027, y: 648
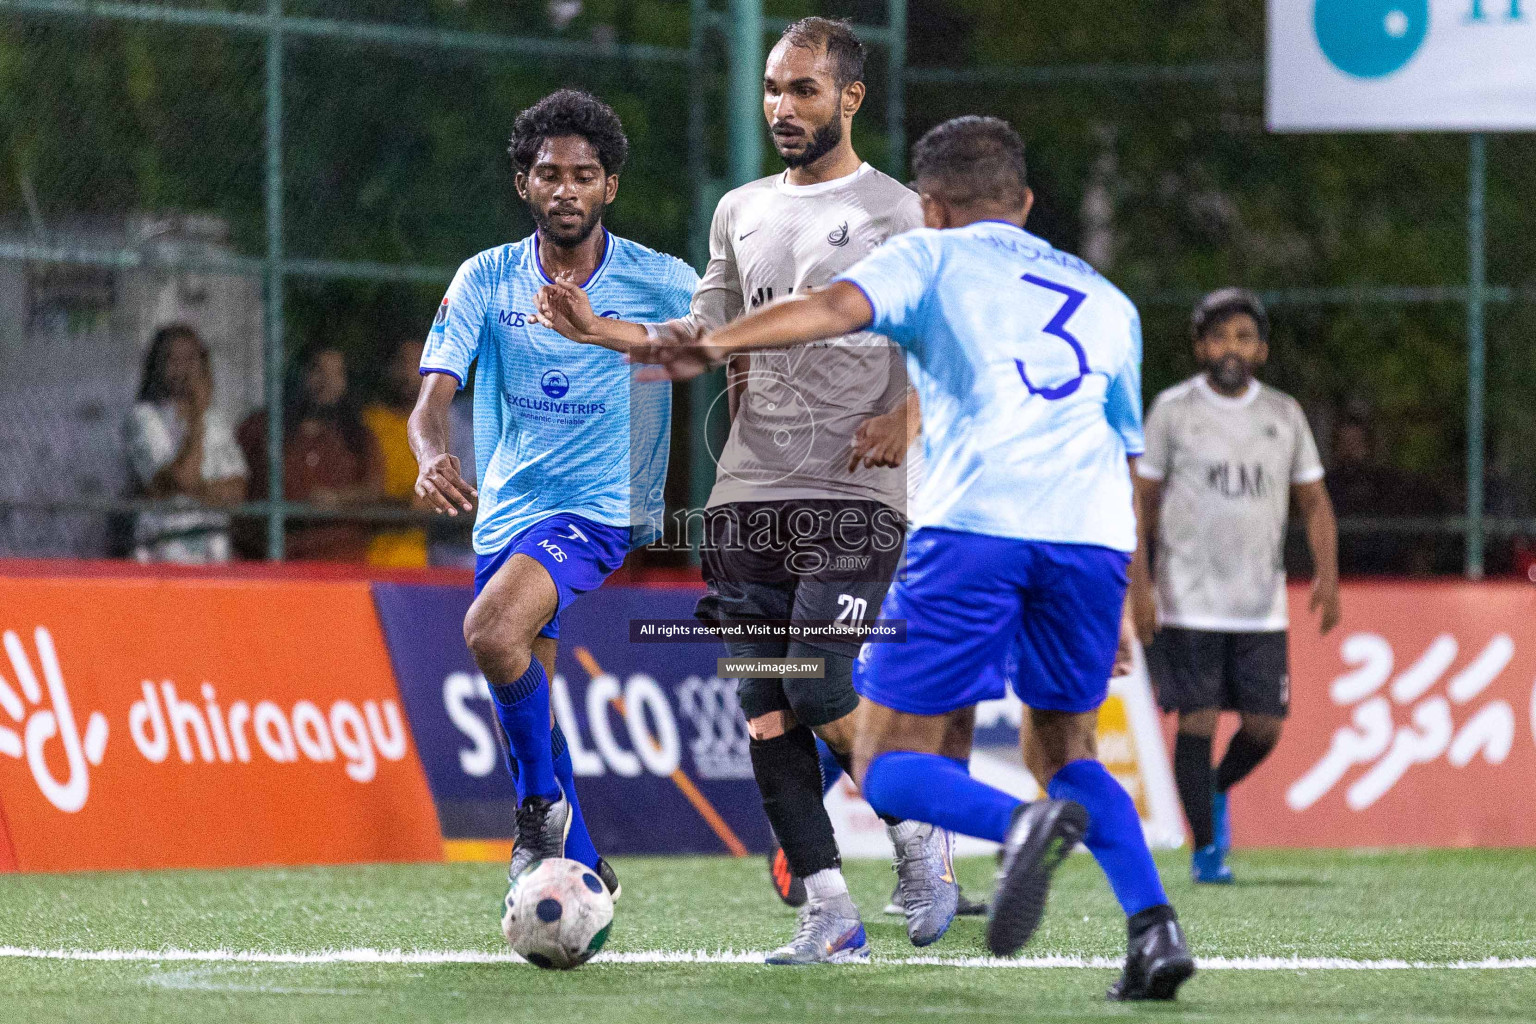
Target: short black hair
x: 1221, y: 305
x: 569, y: 112
x: 844, y: 48
x: 970, y: 160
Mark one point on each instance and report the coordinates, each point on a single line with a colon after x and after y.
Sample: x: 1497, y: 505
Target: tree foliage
x: 397, y: 156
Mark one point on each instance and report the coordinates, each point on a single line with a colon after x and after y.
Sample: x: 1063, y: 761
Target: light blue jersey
x: 559, y: 426
x: 1028, y: 365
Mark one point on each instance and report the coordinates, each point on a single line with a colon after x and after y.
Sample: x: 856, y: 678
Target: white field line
x: 473, y: 956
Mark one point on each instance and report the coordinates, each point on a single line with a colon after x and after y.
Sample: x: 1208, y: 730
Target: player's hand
x: 881, y: 440
x: 1325, y: 600
x: 563, y: 307
x: 441, y: 484
x: 197, y: 396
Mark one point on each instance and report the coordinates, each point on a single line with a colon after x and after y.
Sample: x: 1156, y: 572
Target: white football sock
x: 826, y: 884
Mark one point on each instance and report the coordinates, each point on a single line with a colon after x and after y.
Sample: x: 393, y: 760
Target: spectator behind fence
x: 399, y: 548
x: 329, y: 460
x: 181, y: 450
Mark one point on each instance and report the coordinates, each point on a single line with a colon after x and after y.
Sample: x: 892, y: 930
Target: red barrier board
x: 149, y: 723
x: 1412, y: 724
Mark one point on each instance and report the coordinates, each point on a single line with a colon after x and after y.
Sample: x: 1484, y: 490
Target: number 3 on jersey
x: 1057, y: 327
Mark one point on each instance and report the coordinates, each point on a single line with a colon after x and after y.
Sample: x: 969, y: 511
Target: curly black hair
x: 569, y: 112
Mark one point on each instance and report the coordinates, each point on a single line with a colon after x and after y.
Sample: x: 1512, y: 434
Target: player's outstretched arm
x: 796, y: 320
x: 563, y: 307
x: 1323, y: 538
x: 439, y: 478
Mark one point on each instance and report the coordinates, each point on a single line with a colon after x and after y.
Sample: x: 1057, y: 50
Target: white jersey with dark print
x: 793, y: 431
x: 1226, y: 466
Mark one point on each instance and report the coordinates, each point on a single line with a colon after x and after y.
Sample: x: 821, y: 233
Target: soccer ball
x: 558, y: 913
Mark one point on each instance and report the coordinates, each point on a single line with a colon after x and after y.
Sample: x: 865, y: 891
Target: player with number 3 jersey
x: 1027, y: 363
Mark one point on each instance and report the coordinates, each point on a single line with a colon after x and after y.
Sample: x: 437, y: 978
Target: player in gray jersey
x: 1225, y: 456
x: 806, y: 521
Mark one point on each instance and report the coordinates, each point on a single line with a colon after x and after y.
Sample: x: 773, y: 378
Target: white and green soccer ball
x: 558, y: 913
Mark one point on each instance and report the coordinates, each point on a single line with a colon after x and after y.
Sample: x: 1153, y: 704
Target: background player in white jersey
x: 1028, y: 368
x: 1225, y: 457
x: 570, y: 454
x: 806, y: 518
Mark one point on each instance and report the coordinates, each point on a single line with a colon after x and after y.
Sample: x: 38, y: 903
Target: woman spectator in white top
x: 183, y: 451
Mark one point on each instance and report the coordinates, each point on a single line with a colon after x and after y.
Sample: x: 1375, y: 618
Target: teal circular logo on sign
x: 1370, y: 38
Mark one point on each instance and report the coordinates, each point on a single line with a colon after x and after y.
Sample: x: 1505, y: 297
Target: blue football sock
x: 1114, y: 833
x: 578, y: 844
x: 831, y: 769
x: 938, y: 790
x: 522, y: 708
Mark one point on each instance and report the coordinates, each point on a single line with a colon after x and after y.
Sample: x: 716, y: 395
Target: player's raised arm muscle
x: 839, y: 309
x: 439, y: 478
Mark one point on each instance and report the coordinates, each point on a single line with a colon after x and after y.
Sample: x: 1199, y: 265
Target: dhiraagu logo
x: 1370, y: 38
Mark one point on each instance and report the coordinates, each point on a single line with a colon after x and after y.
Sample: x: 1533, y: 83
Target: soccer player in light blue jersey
x: 1028, y: 367
x: 570, y: 452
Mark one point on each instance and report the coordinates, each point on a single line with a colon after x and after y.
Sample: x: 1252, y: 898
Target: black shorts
x: 1196, y: 669
x: 818, y: 560
x: 815, y: 702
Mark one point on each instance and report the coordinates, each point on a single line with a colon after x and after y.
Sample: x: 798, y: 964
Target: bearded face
x: 1230, y: 351
x: 798, y: 150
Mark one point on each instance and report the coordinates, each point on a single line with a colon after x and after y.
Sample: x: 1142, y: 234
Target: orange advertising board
x: 1412, y: 724
x: 149, y: 723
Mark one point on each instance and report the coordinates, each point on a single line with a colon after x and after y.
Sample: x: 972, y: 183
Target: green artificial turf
x: 1431, y: 907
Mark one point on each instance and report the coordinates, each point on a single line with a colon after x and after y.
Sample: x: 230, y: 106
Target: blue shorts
x: 578, y: 554
x: 980, y: 609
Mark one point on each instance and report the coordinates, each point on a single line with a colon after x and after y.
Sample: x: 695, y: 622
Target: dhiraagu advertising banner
x: 1401, y: 65
x: 202, y: 723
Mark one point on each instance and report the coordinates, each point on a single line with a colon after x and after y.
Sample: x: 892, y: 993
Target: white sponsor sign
x: 1389, y: 749
x: 652, y: 742
x: 1402, y: 65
